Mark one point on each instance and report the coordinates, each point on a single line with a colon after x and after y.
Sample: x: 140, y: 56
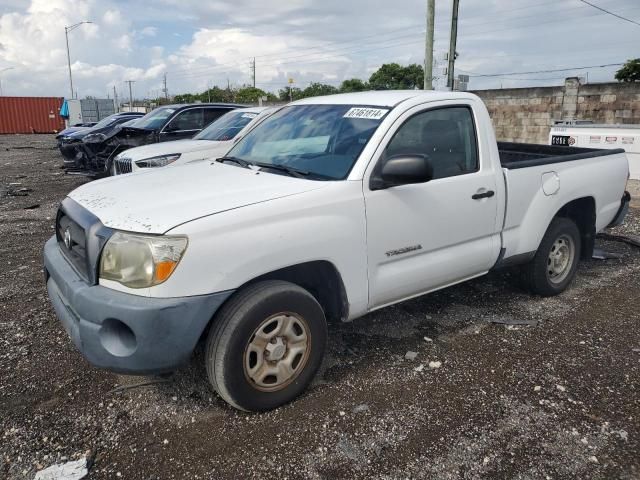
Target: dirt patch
x: 557, y: 396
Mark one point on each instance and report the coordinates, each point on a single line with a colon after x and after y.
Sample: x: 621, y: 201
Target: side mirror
x: 403, y: 170
x: 171, y: 129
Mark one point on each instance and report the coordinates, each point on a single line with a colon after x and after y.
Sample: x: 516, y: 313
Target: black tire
x: 536, y: 274
x: 234, y: 328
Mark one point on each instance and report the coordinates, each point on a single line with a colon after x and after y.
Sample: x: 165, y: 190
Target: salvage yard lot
x: 503, y: 384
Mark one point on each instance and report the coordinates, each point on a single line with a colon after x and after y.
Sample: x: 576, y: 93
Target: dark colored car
x: 69, y: 144
x: 73, y: 129
x: 166, y: 123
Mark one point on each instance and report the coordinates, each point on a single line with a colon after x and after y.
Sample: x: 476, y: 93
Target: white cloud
x: 149, y: 32
x: 200, y: 43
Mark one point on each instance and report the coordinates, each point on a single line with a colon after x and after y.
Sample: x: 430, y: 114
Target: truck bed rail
x: 523, y: 155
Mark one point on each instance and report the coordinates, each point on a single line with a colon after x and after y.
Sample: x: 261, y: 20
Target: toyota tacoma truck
x: 331, y: 208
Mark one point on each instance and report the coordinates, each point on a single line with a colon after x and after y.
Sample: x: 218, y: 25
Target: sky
x: 202, y: 43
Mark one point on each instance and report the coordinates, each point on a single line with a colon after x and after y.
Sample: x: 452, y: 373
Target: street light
x: 66, y: 34
x: 4, y: 70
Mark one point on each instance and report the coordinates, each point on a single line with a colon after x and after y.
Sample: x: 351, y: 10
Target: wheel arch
x: 320, y: 278
x: 582, y: 211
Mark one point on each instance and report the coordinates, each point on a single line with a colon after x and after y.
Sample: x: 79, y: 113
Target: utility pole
x: 115, y: 100
x: 130, y: 82
x: 66, y: 34
x: 428, y: 52
x: 253, y: 71
x: 452, y: 43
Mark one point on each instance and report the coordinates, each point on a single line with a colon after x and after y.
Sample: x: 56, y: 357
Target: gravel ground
x: 557, y: 398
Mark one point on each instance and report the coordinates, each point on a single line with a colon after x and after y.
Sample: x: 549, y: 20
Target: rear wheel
x: 554, y: 265
x: 266, y: 345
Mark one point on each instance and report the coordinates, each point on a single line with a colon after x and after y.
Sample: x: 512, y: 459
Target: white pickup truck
x: 329, y: 209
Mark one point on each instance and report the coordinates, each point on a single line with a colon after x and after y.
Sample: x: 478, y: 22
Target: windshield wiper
x: 292, y: 172
x: 236, y: 160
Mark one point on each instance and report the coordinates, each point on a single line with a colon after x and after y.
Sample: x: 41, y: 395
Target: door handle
x: 487, y: 194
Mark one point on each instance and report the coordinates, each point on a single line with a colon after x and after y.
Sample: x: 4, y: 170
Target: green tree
x: 217, y: 94
x: 186, y: 98
x: 392, y: 76
x: 353, y: 85
x: 630, y: 72
x: 249, y: 94
x: 283, y: 93
x: 316, y: 89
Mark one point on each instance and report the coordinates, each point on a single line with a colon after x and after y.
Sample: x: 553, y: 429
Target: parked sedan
x: 75, y: 128
x: 212, y: 142
x: 69, y: 143
x: 167, y: 123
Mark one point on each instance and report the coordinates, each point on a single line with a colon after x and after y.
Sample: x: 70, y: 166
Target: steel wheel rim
x: 560, y: 259
x: 277, y: 352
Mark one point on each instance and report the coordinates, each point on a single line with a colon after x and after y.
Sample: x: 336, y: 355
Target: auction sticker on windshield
x: 370, y: 113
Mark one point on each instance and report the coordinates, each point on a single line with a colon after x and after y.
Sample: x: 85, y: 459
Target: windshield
x: 155, y: 119
x: 323, y: 140
x: 130, y: 123
x: 105, y: 122
x: 227, y: 126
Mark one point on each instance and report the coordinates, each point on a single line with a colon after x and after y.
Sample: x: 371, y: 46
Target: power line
x: 611, y: 13
x: 341, y: 51
x: 279, y: 56
x: 484, y: 75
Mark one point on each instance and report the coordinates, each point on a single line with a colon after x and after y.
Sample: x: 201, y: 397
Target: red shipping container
x: 30, y: 114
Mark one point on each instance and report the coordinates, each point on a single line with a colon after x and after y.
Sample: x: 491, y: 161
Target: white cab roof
x: 383, y: 98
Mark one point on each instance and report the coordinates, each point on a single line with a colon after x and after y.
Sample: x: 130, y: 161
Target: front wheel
x: 555, y: 263
x: 266, y: 345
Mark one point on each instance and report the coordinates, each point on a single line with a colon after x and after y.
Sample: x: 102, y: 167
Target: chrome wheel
x: 277, y: 352
x: 560, y: 259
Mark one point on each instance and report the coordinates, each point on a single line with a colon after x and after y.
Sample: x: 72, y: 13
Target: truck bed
x: 523, y: 155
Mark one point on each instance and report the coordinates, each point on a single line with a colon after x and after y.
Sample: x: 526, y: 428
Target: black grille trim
x: 88, y: 236
x: 122, y: 165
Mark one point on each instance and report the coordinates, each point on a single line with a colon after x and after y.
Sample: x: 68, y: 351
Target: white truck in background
x: 591, y: 135
x: 214, y: 141
x: 331, y: 208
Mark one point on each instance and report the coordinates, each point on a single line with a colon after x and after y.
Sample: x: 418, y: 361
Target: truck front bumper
x: 122, y: 332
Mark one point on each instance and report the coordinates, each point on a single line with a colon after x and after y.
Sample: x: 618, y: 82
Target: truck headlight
x: 140, y: 261
x: 94, y: 138
x: 161, y: 161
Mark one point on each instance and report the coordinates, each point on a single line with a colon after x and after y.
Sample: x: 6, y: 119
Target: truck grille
x: 72, y: 240
x: 121, y: 165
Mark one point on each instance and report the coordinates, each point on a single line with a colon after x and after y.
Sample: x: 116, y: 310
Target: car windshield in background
x: 155, y: 119
x: 105, y: 122
x: 322, y: 141
x: 226, y: 127
x: 130, y: 123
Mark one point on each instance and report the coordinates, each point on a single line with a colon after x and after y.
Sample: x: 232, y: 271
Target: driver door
x: 425, y: 236
x: 185, y: 124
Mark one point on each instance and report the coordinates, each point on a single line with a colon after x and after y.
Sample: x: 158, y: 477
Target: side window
x: 188, y: 120
x: 211, y: 114
x: 446, y: 135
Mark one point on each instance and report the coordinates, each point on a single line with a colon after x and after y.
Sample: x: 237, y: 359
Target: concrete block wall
x: 527, y: 114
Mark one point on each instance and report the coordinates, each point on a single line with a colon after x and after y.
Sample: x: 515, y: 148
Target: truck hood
x: 157, y: 201
x: 167, y: 148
